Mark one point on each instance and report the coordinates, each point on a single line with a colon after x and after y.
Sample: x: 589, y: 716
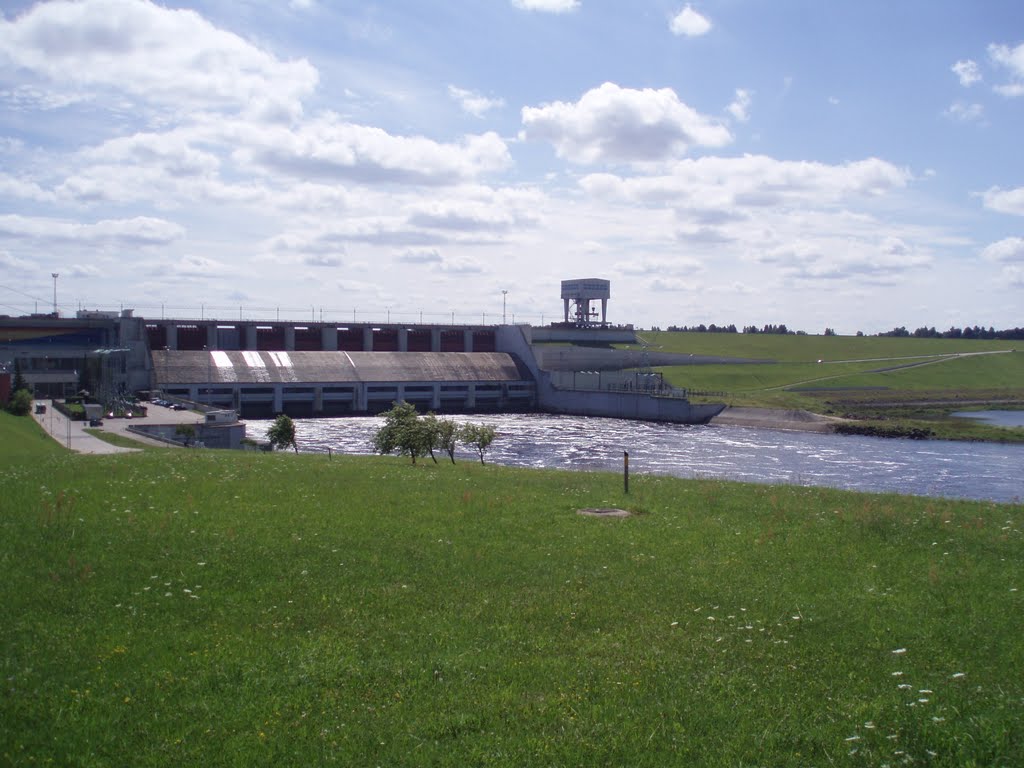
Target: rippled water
x: 985, y: 471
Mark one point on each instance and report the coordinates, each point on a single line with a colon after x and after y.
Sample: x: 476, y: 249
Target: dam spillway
x: 261, y: 383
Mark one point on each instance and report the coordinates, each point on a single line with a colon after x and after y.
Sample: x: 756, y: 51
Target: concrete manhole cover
x: 603, y: 512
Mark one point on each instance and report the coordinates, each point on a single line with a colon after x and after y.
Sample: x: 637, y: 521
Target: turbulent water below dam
x: 959, y: 470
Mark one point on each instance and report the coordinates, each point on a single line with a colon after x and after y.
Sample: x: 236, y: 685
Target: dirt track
x: 771, y: 418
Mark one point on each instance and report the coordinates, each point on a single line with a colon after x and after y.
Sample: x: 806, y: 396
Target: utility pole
x: 504, y: 294
x: 55, y: 275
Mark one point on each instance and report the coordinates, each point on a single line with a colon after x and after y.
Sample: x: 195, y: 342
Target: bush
x: 20, y: 403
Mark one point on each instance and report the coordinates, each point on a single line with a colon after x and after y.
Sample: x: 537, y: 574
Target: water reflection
x: 996, y: 418
x: 928, y: 468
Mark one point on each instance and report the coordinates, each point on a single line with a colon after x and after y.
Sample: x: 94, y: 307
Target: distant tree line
x: 704, y: 328
x: 969, y: 332
x: 975, y: 332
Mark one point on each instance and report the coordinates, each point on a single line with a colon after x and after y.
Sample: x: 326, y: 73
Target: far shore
x: 776, y: 418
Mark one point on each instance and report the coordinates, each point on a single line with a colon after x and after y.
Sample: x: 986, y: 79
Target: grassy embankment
x: 904, y: 383
x: 207, y: 608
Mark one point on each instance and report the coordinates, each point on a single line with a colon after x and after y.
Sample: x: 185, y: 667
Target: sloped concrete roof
x: 185, y: 367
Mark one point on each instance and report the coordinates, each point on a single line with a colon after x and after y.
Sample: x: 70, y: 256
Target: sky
x: 847, y: 165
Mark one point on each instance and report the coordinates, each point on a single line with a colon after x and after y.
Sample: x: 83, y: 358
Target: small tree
x: 403, y: 432
x: 282, y: 433
x: 18, y: 382
x: 20, y: 403
x: 447, y: 437
x: 477, y: 436
x: 187, y: 433
x: 432, y: 434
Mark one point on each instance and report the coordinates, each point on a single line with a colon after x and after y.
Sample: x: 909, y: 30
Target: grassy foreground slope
x: 202, y: 608
x: 21, y: 438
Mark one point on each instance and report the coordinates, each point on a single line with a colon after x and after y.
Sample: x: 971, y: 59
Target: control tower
x: 580, y: 293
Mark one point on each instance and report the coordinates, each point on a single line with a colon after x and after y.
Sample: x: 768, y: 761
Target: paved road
x: 72, y: 434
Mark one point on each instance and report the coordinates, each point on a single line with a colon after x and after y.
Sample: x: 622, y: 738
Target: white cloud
x: 1010, y: 249
x: 84, y: 270
x: 474, y: 103
x: 479, y: 209
x: 740, y: 107
x: 462, y: 265
x: 154, y: 55
x: 14, y: 264
x: 323, y: 259
x: 420, y: 256
x: 1011, y: 59
x: 967, y: 71
x: 752, y: 181
x: 1014, y: 276
x: 328, y: 148
x: 613, y: 124
x: 198, y: 267
x: 690, y: 23
x: 833, y: 258
x: 965, y: 113
x: 25, y: 189
x: 138, y: 231
x: 1005, y: 200
x: 547, y: 6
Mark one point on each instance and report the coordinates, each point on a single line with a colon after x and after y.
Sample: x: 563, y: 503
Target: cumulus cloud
x: 725, y: 184
x: 547, y: 6
x: 1005, y: 200
x: 967, y: 71
x: 659, y: 266
x: 198, y: 267
x: 689, y: 23
x: 1012, y: 60
x: 172, y: 152
x: 138, y: 231
x: 420, y: 256
x: 13, y: 263
x: 1010, y: 249
x: 154, y: 55
x: 835, y: 259
x: 322, y: 260
x: 615, y: 125
x: 740, y: 107
x: 965, y: 113
x: 1014, y: 276
x: 479, y: 210
x: 25, y: 189
x: 329, y: 148
x: 460, y: 266
x: 474, y: 103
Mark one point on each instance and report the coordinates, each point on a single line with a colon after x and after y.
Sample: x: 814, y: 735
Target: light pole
x: 504, y: 294
x: 55, y: 275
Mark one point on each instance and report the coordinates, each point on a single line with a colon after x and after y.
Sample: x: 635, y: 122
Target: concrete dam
x: 259, y: 368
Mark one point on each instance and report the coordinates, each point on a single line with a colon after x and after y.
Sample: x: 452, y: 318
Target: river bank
x: 776, y: 418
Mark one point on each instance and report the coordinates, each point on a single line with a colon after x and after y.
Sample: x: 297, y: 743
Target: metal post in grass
x: 625, y: 470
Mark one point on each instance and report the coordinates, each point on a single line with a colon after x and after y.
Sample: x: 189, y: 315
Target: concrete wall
x: 585, y: 335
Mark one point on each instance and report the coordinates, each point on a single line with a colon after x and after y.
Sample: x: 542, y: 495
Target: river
x: 959, y: 470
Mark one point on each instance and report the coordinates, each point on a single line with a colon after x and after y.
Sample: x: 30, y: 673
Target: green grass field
x: 239, y: 609
x: 870, y: 379
x: 23, y: 439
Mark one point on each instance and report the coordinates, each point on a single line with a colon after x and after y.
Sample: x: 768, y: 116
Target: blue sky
x: 853, y: 165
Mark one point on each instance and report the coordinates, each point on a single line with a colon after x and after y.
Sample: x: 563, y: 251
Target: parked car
x: 95, y: 422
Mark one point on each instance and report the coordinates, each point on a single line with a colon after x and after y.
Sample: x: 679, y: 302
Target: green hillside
x: 898, y: 384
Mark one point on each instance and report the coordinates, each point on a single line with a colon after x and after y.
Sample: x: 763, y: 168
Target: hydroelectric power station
x: 260, y: 368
